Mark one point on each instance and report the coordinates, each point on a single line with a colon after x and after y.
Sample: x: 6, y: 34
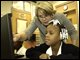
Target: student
x: 54, y: 46
x: 18, y: 45
x: 44, y: 12
x: 19, y: 48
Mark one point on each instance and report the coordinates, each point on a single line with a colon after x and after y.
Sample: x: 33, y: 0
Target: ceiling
x: 52, y: 2
x: 37, y: 1
x: 34, y: 1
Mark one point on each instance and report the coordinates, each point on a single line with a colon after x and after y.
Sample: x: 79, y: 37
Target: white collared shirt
x: 21, y: 51
x: 49, y: 50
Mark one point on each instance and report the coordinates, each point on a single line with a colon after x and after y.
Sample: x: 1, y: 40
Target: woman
x: 44, y: 13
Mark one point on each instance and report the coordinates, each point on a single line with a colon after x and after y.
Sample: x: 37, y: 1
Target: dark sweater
x: 68, y: 51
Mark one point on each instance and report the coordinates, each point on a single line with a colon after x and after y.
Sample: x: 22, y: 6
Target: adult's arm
x: 31, y: 28
x: 24, y: 35
x: 74, y: 42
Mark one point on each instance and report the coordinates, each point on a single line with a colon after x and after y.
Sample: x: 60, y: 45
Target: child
x: 54, y: 46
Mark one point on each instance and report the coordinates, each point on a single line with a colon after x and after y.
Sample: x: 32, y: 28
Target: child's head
x: 52, y: 36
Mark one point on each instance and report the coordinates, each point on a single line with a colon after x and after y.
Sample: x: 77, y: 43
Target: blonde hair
x: 45, y: 7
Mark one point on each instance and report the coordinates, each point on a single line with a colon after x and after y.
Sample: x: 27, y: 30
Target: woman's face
x: 52, y: 36
x: 44, y: 18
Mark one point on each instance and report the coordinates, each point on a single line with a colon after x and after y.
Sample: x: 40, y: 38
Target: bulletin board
x: 21, y: 25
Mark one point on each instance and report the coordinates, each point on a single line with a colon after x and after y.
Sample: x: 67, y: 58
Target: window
x: 27, y: 6
x: 18, y: 5
x: 33, y: 10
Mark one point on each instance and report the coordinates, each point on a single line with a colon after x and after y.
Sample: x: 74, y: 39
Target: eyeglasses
x: 41, y: 17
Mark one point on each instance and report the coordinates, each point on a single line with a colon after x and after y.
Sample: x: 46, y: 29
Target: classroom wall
x: 78, y: 9
x: 60, y: 2
x: 57, y: 2
x: 5, y: 7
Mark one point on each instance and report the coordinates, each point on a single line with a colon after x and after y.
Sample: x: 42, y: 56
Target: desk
x: 23, y: 57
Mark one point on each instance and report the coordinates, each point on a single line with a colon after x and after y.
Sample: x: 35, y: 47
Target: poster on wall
x: 21, y: 25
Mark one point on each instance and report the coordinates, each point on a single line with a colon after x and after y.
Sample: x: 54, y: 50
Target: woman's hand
x: 16, y: 37
x: 44, y: 56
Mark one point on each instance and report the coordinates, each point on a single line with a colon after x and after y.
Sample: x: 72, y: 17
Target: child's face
x: 52, y: 36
